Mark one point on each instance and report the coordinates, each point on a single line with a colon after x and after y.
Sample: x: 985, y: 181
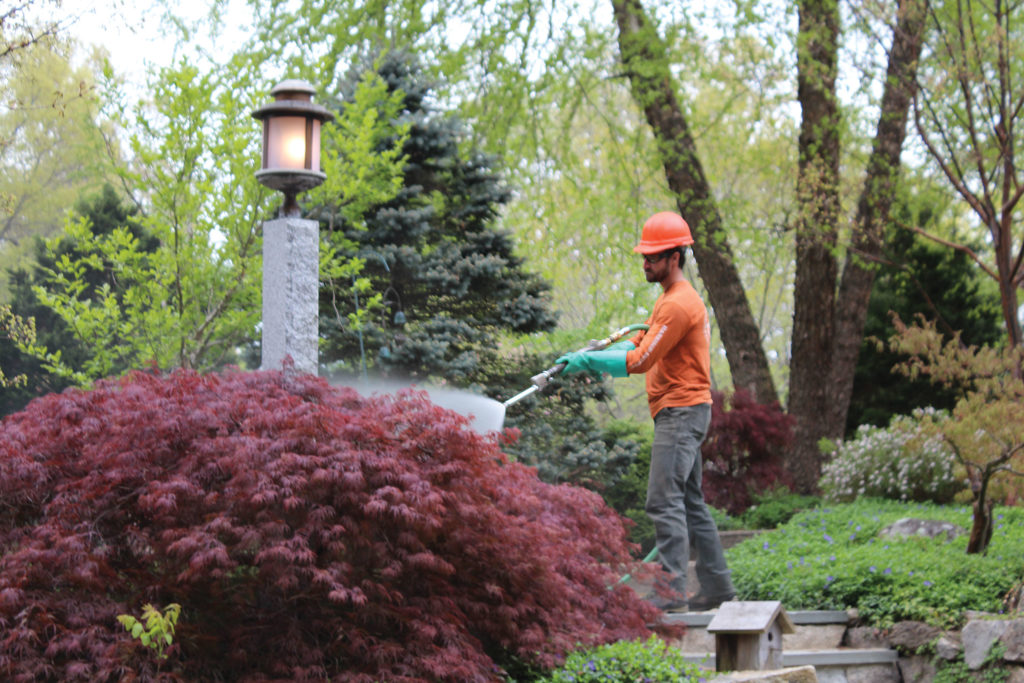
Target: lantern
x: 291, y: 141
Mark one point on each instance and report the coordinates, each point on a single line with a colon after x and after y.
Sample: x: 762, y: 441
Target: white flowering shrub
x: 907, y: 461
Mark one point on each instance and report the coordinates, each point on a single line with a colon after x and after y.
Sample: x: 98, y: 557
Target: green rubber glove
x: 612, y: 361
x: 628, y: 345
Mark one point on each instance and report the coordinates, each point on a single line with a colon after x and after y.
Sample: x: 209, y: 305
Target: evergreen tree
x: 918, y: 277
x: 442, y: 289
x: 448, y: 283
x: 104, y: 211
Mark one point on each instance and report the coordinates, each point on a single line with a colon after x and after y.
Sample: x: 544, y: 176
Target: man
x: 674, y: 352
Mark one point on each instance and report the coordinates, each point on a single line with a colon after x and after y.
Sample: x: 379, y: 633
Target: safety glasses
x: 654, y: 258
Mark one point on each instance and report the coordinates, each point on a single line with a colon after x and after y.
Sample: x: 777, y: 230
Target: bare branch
x: 959, y: 247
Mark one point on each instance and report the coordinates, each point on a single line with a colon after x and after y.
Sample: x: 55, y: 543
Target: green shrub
x: 724, y: 521
x: 628, y: 493
x: 627, y: 662
x: 908, y: 461
x: 775, y: 508
x: 957, y: 672
x: 833, y: 558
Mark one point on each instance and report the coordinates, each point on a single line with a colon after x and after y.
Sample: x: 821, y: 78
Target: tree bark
x: 643, y: 55
x: 874, y: 207
x: 816, y: 236
x: 828, y: 328
x: 827, y: 324
x: 973, y: 114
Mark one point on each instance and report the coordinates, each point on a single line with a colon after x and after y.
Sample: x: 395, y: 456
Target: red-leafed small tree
x: 743, y: 450
x: 306, y: 532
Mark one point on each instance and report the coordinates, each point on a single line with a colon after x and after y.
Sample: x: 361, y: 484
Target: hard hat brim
x: 658, y: 247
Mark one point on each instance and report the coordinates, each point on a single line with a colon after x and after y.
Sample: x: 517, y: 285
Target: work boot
x: 674, y: 603
x: 702, y: 603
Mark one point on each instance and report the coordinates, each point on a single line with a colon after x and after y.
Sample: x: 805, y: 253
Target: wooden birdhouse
x: 748, y: 635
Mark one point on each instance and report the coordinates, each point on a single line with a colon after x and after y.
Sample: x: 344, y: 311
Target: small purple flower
x: 872, y: 569
x: 927, y: 582
x: 888, y: 570
x: 832, y: 558
x: 829, y: 579
x: 789, y: 565
x: 827, y: 537
x: 765, y: 546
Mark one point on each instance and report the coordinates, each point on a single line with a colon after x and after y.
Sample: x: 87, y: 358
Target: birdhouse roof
x: 750, y: 617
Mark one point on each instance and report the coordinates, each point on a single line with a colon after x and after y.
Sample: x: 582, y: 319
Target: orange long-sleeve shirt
x: 675, y: 352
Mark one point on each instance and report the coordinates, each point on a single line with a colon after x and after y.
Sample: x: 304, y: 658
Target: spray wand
x: 539, y: 381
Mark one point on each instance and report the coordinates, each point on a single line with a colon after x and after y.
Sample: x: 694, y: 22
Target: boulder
x: 948, y: 646
x: 910, y: 636
x: 978, y: 636
x: 1013, y: 639
x: 917, y: 669
x: 865, y: 637
x: 931, y: 528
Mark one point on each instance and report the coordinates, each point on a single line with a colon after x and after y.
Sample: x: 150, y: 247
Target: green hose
x: 650, y: 557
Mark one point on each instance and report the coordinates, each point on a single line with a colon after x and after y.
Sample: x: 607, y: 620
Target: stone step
x: 817, y: 642
x: 817, y: 658
x: 829, y: 666
x: 815, y: 630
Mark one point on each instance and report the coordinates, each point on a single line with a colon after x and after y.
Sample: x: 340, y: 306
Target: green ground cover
x: 833, y: 558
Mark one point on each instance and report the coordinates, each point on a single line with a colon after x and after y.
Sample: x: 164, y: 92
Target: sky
x: 132, y: 32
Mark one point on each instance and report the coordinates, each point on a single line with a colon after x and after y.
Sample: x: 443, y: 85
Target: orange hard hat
x: 662, y: 231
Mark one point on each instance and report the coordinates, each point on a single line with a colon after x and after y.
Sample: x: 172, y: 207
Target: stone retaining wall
x: 974, y: 642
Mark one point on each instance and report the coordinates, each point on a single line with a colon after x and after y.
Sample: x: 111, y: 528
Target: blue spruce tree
x: 453, y: 291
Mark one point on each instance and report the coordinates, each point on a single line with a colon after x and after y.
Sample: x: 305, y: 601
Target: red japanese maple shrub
x: 308, y: 534
x: 743, y: 451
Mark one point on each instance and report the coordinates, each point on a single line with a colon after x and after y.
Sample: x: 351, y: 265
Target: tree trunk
x: 816, y: 235
x: 873, y: 209
x: 1008, y: 270
x: 643, y: 55
x: 827, y: 326
x: 825, y: 354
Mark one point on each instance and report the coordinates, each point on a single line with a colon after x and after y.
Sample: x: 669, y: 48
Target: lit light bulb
x: 294, y: 153
x: 287, y: 144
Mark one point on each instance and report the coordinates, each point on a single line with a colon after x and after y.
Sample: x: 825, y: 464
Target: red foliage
x: 743, y: 451
x: 307, y: 532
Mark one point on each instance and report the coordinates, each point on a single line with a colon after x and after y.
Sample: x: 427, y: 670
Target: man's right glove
x: 612, y: 361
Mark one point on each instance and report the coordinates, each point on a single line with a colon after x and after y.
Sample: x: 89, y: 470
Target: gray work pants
x: 675, y: 501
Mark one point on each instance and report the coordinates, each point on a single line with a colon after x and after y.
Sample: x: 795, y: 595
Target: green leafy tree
x: 986, y: 430
x: 918, y: 277
x: 193, y: 300
x: 22, y: 28
x: 17, y: 329
x: 967, y: 118
x: 102, y: 213
x: 52, y: 145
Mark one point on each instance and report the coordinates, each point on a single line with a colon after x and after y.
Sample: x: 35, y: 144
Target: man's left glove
x: 612, y: 361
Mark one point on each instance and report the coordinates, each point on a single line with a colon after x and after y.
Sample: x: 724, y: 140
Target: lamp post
x: 291, y: 164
